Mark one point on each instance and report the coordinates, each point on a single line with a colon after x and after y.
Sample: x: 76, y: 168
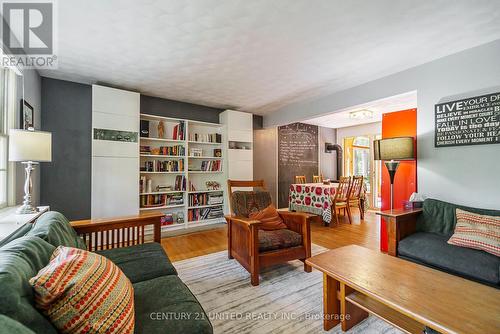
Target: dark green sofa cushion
x: 440, y: 217
x: 141, y: 262
x: 10, y: 326
x: 54, y: 228
x: 158, y: 299
x: 20, y: 260
x: 432, y: 250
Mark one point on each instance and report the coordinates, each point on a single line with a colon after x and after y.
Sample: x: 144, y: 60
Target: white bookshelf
x: 191, y: 167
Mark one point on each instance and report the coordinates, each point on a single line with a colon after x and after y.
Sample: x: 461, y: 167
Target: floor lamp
x: 392, y: 151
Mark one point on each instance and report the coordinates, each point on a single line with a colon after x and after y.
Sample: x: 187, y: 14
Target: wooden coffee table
x: 359, y: 281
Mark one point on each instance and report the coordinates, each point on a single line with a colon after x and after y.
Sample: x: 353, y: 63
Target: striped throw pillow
x: 477, y: 231
x: 83, y: 292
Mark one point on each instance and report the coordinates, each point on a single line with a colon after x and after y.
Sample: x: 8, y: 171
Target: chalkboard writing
x: 297, y: 155
x: 470, y: 121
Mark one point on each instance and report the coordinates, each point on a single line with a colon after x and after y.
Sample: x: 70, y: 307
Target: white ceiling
x: 259, y: 55
x: 341, y: 118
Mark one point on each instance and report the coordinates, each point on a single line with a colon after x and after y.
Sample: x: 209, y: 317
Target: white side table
x: 10, y: 221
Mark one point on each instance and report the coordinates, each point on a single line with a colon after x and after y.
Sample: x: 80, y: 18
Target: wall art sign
x: 470, y: 121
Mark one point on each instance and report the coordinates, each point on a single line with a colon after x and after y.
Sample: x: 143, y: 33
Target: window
x: 8, y: 82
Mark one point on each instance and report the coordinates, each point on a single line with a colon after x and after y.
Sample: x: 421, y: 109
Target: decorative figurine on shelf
x: 212, y: 185
x: 161, y: 129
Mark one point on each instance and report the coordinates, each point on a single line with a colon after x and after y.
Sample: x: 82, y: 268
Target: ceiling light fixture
x: 361, y: 114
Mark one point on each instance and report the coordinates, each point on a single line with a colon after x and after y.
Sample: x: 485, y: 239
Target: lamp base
x: 392, y: 166
x: 26, y: 210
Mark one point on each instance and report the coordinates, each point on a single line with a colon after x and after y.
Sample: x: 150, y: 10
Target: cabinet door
x: 240, y: 170
x: 115, y: 186
x: 238, y: 120
x: 115, y: 101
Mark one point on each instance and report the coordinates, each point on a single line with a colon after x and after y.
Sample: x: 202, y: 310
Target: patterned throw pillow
x: 83, y: 292
x: 269, y: 217
x: 477, y: 231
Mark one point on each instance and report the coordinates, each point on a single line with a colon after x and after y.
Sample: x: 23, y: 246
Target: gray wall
x: 67, y: 113
x: 177, y: 109
x: 265, y: 159
x: 169, y: 108
x: 464, y: 174
x: 327, y: 161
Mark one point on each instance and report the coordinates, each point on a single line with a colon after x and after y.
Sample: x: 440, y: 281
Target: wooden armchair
x: 100, y: 234
x: 247, y: 240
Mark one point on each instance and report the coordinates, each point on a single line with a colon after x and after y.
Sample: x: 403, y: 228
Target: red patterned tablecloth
x: 313, y: 198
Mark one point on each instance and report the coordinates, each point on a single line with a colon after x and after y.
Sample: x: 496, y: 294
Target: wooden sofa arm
x: 101, y: 234
x: 400, y: 223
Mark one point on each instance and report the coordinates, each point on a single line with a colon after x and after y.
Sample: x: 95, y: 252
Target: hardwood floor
x: 365, y: 233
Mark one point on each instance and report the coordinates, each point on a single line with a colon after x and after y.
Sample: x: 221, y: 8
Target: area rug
x: 288, y: 300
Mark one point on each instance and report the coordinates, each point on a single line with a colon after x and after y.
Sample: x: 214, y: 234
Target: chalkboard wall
x: 297, y: 155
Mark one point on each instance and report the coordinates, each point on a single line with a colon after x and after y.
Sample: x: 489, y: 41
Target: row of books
x: 206, y: 213
x: 205, y: 199
x: 206, y: 137
x: 148, y: 201
x: 180, y: 182
x: 212, y: 165
x: 177, y: 150
x: 178, y: 131
x: 163, y: 166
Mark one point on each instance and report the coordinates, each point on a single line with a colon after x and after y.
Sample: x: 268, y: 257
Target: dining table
x: 315, y: 198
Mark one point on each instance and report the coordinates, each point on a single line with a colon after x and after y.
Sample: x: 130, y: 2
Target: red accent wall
x: 398, y: 124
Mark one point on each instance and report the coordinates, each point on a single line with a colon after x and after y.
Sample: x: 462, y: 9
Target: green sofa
x: 163, y: 303
x: 427, y: 244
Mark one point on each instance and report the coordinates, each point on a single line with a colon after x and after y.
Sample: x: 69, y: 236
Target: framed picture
x: 27, y: 119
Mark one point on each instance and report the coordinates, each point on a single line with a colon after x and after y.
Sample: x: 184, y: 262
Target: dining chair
x: 300, y: 179
x: 317, y: 178
x: 341, y: 198
x: 355, y: 195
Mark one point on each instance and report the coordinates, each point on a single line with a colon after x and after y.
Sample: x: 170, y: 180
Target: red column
x: 398, y: 124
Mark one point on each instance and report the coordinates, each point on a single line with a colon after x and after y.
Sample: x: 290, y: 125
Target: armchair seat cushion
x: 432, y: 249
x: 278, y: 239
x: 141, y: 262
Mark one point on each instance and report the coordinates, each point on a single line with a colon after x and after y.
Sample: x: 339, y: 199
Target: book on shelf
x: 163, y: 166
x: 205, y: 213
x: 191, y: 186
x: 180, y: 183
x: 177, y: 150
x: 211, y: 166
x: 201, y: 199
x: 178, y: 131
x: 148, y: 201
x: 206, y: 137
x: 145, y: 149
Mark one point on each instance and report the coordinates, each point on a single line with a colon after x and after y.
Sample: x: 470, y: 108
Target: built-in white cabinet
x: 239, y: 145
x: 115, y: 152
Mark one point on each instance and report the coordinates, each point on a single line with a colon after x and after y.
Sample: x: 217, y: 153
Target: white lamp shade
x: 30, y: 145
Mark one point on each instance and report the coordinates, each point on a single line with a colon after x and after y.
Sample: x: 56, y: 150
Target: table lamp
x: 30, y: 148
x: 393, y: 150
